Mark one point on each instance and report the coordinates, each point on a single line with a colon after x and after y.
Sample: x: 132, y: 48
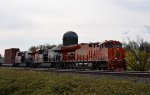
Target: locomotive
x: 107, y: 55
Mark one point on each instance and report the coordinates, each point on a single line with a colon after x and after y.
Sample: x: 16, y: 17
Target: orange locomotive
x: 114, y: 55
x: 108, y: 55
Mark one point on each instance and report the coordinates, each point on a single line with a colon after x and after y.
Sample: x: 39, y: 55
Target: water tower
x: 70, y: 38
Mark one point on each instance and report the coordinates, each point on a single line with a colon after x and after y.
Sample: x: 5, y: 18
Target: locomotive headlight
x: 115, y: 58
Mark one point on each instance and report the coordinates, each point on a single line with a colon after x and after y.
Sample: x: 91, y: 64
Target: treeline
x: 138, y: 54
x: 43, y: 47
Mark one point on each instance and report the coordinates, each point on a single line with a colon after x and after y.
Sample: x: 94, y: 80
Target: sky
x: 26, y: 23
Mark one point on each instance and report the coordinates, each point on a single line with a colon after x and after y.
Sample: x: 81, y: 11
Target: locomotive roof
x: 89, y: 43
x: 109, y: 41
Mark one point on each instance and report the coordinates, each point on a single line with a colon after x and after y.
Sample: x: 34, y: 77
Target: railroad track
x: 99, y: 72
x: 87, y: 72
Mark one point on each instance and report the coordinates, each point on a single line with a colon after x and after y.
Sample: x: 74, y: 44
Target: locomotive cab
x: 113, y: 54
x: 24, y: 58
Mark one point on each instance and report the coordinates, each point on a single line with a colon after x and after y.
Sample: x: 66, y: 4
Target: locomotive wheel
x: 28, y: 64
x: 73, y: 64
x: 65, y: 66
x: 15, y: 64
x: 56, y: 65
x: 102, y: 66
x: 32, y: 65
x: 62, y: 65
x: 52, y: 65
x: 37, y: 65
x: 94, y: 66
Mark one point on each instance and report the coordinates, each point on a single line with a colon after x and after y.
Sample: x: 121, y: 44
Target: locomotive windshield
x: 118, y: 45
x: 111, y: 44
x: 19, y: 53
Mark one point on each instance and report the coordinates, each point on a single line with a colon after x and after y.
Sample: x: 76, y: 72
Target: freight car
x: 9, y: 56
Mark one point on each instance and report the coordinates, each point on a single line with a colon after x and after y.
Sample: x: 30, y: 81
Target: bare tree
x: 138, y: 54
x: 33, y: 48
x: 0, y: 56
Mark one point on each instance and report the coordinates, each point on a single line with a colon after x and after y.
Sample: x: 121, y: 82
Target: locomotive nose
x: 117, y: 53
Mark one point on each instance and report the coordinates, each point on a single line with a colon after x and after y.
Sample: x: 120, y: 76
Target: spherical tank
x: 70, y: 38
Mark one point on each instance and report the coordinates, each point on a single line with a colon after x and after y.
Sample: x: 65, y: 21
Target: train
x: 106, y: 55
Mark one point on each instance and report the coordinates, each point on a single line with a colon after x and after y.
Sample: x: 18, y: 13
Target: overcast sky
x: 24, y: 23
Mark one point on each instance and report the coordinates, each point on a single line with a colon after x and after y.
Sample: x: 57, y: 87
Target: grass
x: 27, y: 82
